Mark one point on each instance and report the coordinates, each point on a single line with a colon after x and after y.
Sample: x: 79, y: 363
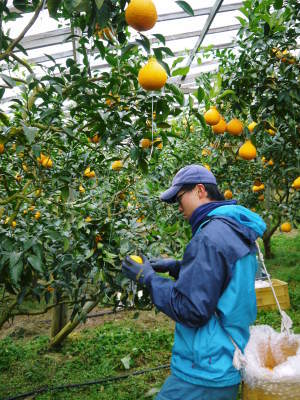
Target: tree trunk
x: 267, y: 246
x: 59, y: 316
x: 71, y: 325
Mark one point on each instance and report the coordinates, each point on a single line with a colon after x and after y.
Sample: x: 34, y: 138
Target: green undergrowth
x: 121, y: 347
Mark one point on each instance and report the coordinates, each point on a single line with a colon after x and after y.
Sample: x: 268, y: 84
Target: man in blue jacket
x: 212, y: 298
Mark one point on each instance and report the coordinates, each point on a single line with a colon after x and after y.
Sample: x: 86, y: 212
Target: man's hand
x: 137, y: 272
x: 166, y: 265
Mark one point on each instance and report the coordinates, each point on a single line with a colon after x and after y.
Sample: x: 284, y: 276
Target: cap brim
x: 169, y: 196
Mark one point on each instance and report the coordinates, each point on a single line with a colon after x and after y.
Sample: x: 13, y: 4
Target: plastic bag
x: 272, y: 363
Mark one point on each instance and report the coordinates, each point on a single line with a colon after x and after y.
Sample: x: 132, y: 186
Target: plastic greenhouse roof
x: 181, y: 31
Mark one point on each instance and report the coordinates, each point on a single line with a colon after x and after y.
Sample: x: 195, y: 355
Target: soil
x: 31, y: 326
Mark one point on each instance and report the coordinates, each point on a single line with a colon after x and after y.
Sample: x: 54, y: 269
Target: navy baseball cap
x: 185, y: 176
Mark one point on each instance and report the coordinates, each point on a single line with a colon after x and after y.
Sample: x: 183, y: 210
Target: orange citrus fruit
x: 37, y: 215
x: 286, y: 227
x: 235, y: 127
x: 228, y: 194
x: 141, y: 14
x: 220, y: 127
x: 145, y: 143
x: 296, y: 183
x: 247, y: 151
x: 212, y: 116
x: 252, y: 126
x: 117, y: 165
x: 1, y: 148
x: 152, y: 76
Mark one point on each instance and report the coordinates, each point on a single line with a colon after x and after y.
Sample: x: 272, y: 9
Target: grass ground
x: 106, y: 346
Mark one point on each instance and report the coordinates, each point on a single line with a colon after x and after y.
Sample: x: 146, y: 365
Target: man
x: 212, y: 298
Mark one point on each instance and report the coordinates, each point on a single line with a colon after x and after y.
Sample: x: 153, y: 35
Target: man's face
x: 188, y: 201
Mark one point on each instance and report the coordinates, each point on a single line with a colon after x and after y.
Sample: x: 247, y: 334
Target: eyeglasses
x: 178, y: 198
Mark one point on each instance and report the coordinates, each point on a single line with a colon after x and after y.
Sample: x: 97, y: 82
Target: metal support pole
x: 206, y: 27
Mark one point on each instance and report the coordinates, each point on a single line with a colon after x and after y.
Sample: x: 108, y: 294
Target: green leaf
x: 127, y: 48
x: 4, y: 119
x: 200, y: 94
x: 29, y: 243
x: 16, y: 271
x: 177, y: 61
x: 99, y: 3
x: 36, y: 263
x: 177, y: 93
x: 186, y: 7
x: 161, y: 38
x: 278, y: 4
x: 181, y: 71
x: 14, y: 258
x: 145, y: 42
x: 53, y: 6
x: 65, y: 193
x: 66, y: 244
x: 30, y: 133
x: 166, y: 50
x: 10, y: 82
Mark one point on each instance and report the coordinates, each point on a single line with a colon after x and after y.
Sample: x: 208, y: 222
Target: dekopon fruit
x: 141, y: 14
x: 212, y: 116
x: 152, y: 76
x: 235, y: 127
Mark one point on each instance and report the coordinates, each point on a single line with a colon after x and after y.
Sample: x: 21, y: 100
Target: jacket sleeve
x: 192, y: 299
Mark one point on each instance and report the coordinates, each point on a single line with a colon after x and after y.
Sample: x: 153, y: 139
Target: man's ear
x: 201, y: 190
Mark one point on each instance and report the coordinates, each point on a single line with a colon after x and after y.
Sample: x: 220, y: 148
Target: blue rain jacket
x: 217, y: 276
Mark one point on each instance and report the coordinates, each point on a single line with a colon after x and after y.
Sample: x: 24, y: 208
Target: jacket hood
x: 248, y: 223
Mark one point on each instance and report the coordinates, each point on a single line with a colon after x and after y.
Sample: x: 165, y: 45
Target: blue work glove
x: 137, y: 272
x: 166, y: 265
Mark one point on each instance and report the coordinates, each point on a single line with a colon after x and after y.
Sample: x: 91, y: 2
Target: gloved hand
x: 166, y: 265
x: 137, y: 272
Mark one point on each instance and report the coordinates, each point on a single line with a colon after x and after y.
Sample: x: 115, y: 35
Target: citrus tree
x: 256, y: 89
x: 74, y: 142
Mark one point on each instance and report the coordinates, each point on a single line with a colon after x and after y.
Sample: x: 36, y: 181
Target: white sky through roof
x: 188, y: 28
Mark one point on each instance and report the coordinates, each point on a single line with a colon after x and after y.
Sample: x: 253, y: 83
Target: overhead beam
x: 205, y: 29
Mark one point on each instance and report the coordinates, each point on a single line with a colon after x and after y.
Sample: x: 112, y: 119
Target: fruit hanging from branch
x: 152, y: 76
x: 141, y: 14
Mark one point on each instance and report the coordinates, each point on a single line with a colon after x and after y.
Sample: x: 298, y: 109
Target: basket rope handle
x: 286, y: 322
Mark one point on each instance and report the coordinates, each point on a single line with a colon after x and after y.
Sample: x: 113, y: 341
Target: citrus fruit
x: 13, y: 224
x: 296, y: 183
x: 235, y: 127
x: 212, y: 116
x: 81, y: 189
x: 95, y: 139
x: 47, y: 162
x: 1, y: 148
x: 228, y: 194
x: 261, y: 197
x: 286, y: 227
x: 145, y: 143
x: 271, y: 162
x: 247, y: 151
x: 271, y: 132
x: 220, y: 127
x: 137, y: 259
x: 141, y: 14
x: 252, y: 126
x: 117, y: 165
x: 258, y: 188
x: 152, y: 76
x: 37, y: 215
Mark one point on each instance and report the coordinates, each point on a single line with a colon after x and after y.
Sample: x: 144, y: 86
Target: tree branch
x: 23, y: 33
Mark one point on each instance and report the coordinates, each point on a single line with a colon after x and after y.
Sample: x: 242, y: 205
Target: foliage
x: 65, y: 227
x: 93, y: 353
x: 259, y: 81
